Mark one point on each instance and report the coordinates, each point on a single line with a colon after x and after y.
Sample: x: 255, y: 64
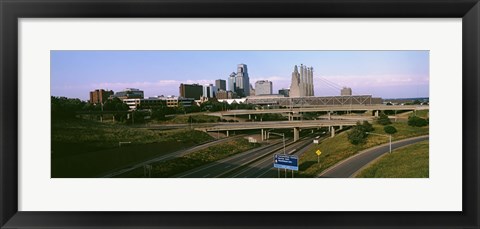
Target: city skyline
x: 386, y: 74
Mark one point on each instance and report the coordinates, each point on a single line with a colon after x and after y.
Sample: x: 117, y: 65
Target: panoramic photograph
x: 239, y: 114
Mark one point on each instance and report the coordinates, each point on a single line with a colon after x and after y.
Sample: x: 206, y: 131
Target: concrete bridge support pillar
x: 227, y: 133
x: 376, y: 113
x: 332, y: 130
x: 296, y: 134
x: 249, y: 116
x: 263, y: 134
x: 341, y: 127
x: 329, y: 115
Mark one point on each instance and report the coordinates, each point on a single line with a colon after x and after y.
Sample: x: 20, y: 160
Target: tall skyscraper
x: 209, y: 90
x: 242, y: 80
x: 263, y: 87
x: 295, y: 84
x: 232, y: 82
x: 302, y: 82
x: 221, y: 84
x: 239, y: 82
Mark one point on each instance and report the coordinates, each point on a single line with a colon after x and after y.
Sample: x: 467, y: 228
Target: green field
x: 407, y: 162
x: 339, y: 148
x: 190, y: 161
x: 83, y: 148
x: 419, y: 113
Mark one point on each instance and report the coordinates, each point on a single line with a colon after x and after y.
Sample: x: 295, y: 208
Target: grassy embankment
x: 190, y: 161
x: 407, y: 162
x: 339, y: 148
x: 82, y: 148
x: 419, y: 113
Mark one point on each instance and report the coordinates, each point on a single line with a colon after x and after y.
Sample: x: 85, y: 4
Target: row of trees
x: 385, y: 121
x: 358, y: 134
x: 67, y: 108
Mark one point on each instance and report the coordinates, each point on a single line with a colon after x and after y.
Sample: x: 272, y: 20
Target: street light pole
x: 384, y: 135
x: 390, y: 136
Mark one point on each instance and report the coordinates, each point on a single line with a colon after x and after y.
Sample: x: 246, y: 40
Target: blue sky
x: 386, y: 74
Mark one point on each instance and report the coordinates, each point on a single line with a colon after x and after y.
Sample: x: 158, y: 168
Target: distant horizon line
x: 59, y: 96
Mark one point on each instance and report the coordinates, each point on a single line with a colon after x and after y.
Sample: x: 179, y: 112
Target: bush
x: 390, y: 129
x: 417, y: 121
x: 367, y: 126
x: 383, y: 120
x: 358, y: 134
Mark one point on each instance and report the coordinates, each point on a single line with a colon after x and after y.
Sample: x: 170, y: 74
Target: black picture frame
x: 11, y: 11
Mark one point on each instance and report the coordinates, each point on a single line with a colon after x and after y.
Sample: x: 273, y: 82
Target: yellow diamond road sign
x: 318, y: 152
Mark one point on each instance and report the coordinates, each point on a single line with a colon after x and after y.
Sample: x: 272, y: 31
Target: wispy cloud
x: 374, y: 80
x: 278, y: 82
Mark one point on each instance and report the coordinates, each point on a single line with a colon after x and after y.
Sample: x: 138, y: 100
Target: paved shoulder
x: 351, y: 165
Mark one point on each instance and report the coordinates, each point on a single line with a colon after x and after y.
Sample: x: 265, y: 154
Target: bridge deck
x: 278, y: 125
x: 322, y: 108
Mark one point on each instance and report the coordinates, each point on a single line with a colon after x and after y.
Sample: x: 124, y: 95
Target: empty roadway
x: 351, y: 165
x: 264, y: 167
x: 220, y: 167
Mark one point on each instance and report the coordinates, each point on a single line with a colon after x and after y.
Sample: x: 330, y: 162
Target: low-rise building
x: 225, y: 95
x: 150, y: 103
x: 346, y: 91
x: 284, y: 91
x: 174, y: 101
x: 129, y: 93
x: 99, y: 96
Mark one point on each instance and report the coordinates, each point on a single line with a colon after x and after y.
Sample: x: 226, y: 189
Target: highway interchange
x: 258, y: 162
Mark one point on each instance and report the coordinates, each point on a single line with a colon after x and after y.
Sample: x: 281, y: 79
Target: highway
x: 167, y: 157
x: 278, y: 125
x: 321, y: 109
x: 350, y: 166
x: 263, y: 168
x: 219, y: 168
